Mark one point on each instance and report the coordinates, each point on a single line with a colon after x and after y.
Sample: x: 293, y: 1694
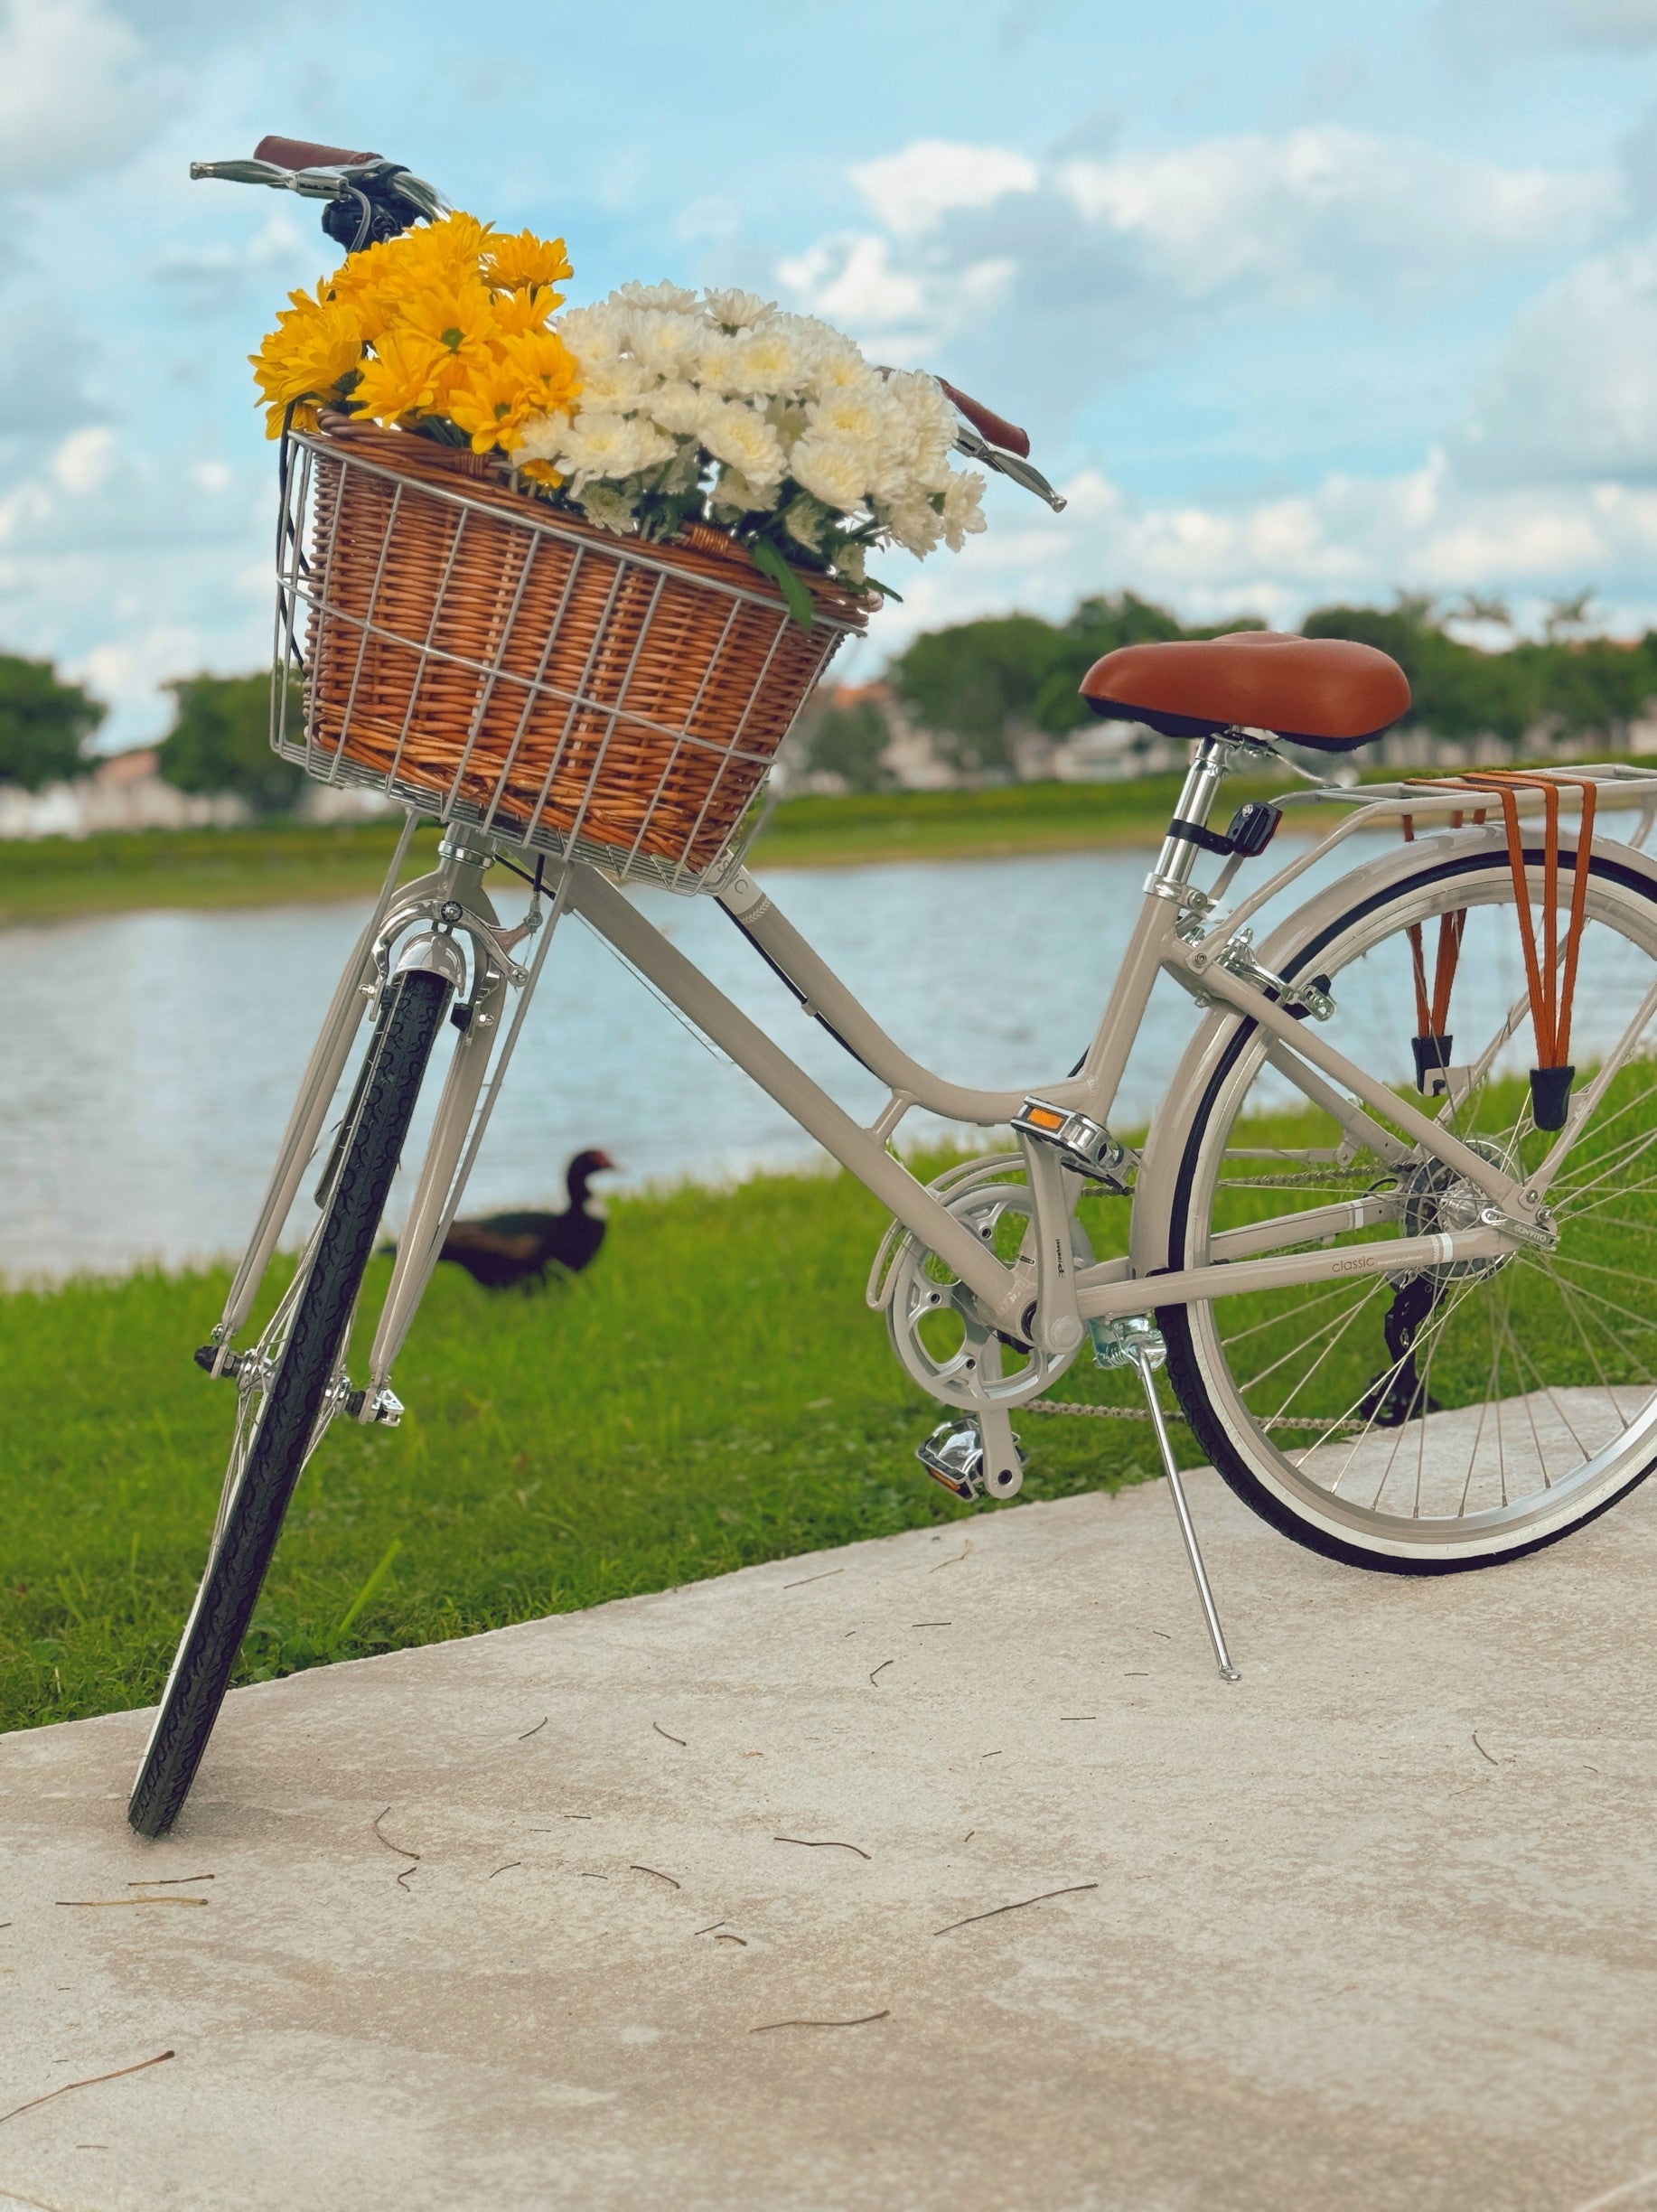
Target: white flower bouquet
x: 720, y: 407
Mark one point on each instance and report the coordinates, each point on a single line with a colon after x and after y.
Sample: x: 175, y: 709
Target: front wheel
x: 1448, y: 1419
x: 281, y: 1410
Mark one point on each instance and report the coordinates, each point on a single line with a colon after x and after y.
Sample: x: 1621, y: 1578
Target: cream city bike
x: 1392, y: 1244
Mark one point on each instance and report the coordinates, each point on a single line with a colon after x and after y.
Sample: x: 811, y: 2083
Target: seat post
x: 1213, y: 759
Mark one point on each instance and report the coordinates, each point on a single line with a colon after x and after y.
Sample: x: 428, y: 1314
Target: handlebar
x: 301, y: 153
x: 995, y: 428
x: 370, y: 197
x: 989, y: 438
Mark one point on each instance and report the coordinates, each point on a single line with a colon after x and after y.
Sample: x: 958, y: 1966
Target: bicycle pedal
x: 1083, y: 1145
x: 954, y: 1456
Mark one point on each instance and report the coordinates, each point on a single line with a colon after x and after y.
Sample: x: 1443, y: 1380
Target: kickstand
x: 1147, y: 1351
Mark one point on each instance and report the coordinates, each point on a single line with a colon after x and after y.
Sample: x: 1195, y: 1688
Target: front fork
x: 457, y: 913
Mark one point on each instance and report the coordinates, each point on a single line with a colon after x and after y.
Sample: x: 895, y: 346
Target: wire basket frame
x: 490, y: 660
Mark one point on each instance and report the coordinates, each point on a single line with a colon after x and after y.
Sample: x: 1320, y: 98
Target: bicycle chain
x: 1142, y: 1413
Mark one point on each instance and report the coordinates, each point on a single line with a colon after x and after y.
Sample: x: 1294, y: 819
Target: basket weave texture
x: 468, y: 641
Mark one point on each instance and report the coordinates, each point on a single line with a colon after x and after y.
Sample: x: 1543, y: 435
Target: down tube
x: 616, y: 920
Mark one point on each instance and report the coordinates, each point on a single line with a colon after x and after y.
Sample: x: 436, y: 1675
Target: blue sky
x: 1300, y: 301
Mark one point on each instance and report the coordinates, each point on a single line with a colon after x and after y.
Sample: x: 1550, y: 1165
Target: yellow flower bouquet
x: 444, y: 332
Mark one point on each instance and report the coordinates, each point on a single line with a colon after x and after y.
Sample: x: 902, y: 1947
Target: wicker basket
x: 491, y: 659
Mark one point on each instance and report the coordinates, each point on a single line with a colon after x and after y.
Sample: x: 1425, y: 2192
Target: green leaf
x: 885, y: 590
x: 767, y: 558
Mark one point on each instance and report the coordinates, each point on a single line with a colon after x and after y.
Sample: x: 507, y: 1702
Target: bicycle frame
x: 1173, y: 935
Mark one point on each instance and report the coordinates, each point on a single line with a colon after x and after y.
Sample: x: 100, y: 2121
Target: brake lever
x: 980, y: 449
x: 328, y: 184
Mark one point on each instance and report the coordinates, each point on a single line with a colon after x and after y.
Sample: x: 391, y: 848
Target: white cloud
x: 84, y: 84
x: 909, y: 191
x: 1322, y: 206
x: 1350, y: 538
x: 206, y: 276
x: 1574, y: 394
x: 1498, y: 26
x: 853, y: 281
x: 69, y: 98
x: 1092, y: 265
x: 83, y: 462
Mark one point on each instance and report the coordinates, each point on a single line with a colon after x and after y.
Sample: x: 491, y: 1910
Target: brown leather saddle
x: 1325, y: 692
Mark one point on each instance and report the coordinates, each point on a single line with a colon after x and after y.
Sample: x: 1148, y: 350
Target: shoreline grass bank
x: 52, y: 880
x: 713, y: 1394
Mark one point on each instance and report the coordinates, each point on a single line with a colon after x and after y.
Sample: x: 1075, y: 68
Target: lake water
x: 150, y: 1059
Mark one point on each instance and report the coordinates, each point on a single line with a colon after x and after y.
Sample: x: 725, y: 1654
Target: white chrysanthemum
x: 743, y: 439
x: 608, y: 506
x: 671, y: 343
x: 788, y: 419
x: 931, y: 416
x: 848, y: 563
x: 914, y: 524
x: 598, y: 334
x: 767, y: 363
x: 836, y: 363
x: 737, y: 496
x: 607, y: 445
x: 962, y: 507
x: 805, y: 518
x: 857, y: 410
x: 541, y: 438
x: 738, y: 310
x: 616, y: 385
x: 664, y: 294
x: 837, y: 469
x: 681, y: 407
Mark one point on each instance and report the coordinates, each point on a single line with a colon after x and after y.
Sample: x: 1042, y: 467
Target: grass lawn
x: 713, y: 1392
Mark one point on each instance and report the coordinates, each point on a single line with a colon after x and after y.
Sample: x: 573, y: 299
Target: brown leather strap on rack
x: 1552, y: 990
x: 1433, y: 1015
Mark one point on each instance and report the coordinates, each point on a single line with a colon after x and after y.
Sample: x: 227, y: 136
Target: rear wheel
x: 1450, y: 1418
x: 289, y: 1385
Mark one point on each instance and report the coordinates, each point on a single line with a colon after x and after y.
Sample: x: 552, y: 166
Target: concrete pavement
x: 506, y: 1923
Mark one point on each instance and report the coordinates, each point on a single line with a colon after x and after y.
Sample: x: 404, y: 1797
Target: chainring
x: 939, y: 1332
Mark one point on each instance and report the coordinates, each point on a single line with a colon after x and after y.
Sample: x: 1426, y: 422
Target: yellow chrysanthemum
x: 401, y: 378
x: 517, y: 313
x: 526, y: 263
x: 547, y: 372
x: 489, y: 405
x: 460, y: 316
x: 309, y: 354
x: 454, y: 321
x: 540, y: 473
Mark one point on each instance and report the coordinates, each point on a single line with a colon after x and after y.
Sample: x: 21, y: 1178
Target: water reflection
x: 152, y: 1057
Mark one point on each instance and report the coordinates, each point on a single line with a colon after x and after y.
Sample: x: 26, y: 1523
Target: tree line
x: 975, y: 684
x: 219, y: 741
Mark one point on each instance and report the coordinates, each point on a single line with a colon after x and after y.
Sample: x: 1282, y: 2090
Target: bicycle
x: 1398, y: 1294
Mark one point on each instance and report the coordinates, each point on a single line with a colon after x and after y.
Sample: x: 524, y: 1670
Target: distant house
x: 126, y: 792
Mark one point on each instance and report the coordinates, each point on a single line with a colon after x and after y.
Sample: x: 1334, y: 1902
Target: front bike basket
x: 463, y: 647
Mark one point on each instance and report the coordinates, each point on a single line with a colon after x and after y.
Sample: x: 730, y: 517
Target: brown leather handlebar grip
x: 300, y: 154
x: 989, y: 424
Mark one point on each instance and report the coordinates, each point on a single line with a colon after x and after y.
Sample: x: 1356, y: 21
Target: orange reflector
x: 1044, y: 1117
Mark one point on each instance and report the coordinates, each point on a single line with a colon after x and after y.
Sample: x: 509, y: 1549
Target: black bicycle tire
x: 1185, y: 1369
x: 235, y: 1574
